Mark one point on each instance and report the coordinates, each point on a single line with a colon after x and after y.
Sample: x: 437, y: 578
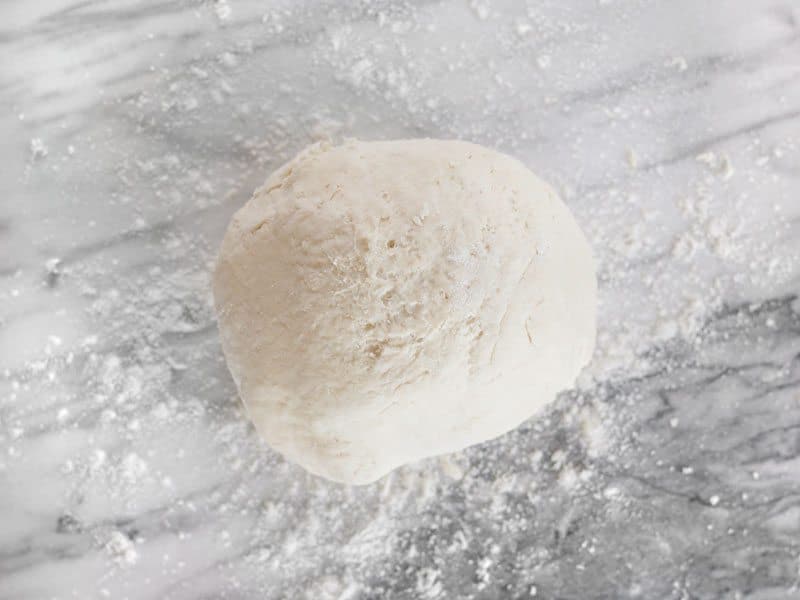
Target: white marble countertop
x: 133, y: 129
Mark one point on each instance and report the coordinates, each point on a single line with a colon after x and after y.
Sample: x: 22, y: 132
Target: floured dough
x: 380, y: 302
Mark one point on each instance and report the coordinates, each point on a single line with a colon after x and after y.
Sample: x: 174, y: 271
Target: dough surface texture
x: 381, y: 302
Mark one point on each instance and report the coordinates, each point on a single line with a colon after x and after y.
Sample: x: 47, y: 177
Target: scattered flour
x: 38, y: 149
x: 428, y: 584
x: 133, y: 467
x: 121, y: 549
x: 222, y: 9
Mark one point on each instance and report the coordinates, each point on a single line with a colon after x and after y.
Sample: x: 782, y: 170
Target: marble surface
x: 133, y: 129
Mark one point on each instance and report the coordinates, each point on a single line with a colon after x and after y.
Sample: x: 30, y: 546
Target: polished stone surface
x: 132, y: 131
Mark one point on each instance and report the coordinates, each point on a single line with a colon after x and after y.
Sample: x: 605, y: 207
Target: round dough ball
x: 380, y: 302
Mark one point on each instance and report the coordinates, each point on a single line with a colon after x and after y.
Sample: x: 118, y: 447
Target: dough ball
x: 380, y: 302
